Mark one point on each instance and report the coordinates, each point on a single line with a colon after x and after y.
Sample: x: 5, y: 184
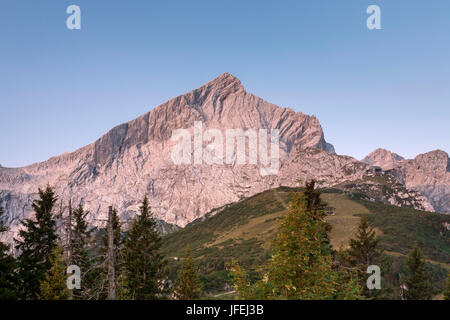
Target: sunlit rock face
x: 383, y: 158
x: 134, y: 159
x: 428, y: 173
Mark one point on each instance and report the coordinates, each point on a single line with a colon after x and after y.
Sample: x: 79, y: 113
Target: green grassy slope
x: 243, y: 231
x: 402, y: 227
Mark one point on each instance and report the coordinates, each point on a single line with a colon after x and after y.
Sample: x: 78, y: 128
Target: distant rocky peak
x: 221, y: 103
x: 434, y: 162
x: 436, y: 155
x: 428, y: 173
x: 224, y: 81
x: 382, y: 158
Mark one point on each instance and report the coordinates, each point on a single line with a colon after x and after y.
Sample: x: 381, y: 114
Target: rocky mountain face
x: 136, y: 158
x: 383, y: 158
x: 428, y: 173
x: 386, y: 189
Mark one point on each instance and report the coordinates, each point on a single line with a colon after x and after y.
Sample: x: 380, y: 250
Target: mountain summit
x: 134, y: 159
x: 382, y: 158
x: 220, y: 103
x: 428, y: 173
x: 225, y: 80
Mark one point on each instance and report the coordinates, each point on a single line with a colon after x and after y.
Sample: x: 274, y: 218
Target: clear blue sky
x: 63, y: 89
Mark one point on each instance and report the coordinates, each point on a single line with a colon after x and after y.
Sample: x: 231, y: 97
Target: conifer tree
x: 363, y: 252
x: 447, y: 288
x: 241, y: 284
x: 81, y: 243
x: 188, y: 286
x: 312, y: 201
x: 36, y: 243
x: 143, y: 263
x: 364, y: 249
x: 8, y: 265
x: 313, y: 204
x: 54, y: 286
x: 417, y: 283
x: 301, y: 266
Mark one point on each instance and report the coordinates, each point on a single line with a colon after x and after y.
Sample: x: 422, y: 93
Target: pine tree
x: 363, y: 252
x: 188, y: 286
x: 313, y: 204
x: 301, y: 266
x: 144, y: 265
x: 364, y: 249
x: 312, y: 201
x: 37, y: 240
x: 417, y: 282
x: 8, y: 265
x: 81, y: 243
x: 54, y: 286
x: 447, y: 288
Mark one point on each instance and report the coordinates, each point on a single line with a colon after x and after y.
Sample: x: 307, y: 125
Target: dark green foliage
x: 301, y: 265
x: 199, y: 234
x: 417, y: 283
x: 144, y: 265
x: 188, y: 286
x: 54, y: 286
x: 399, y: 228
x: 212, y: 268
x: 8, y: 278
x: 81, y: 243
x: 363, y: 251
x: 203, y: 231
x: 312, y: 202
x: 37, y: 241
x: 447, y: 288
x: 402, y: 227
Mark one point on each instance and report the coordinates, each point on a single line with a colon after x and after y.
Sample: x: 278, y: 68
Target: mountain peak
x: 438, y: 159
x: 225, y: 81
x: 225, y: 77
x: 437, y: 153
x: 382, y: 158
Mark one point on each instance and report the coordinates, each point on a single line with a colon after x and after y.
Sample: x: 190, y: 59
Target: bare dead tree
x: 111, y: 258
x: 69, y: 235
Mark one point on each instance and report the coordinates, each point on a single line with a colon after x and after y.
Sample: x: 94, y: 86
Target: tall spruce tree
x: 36, y: 243
x: 54, y: 286
x: 417, y: 283
x: 312, y: 202
x: 301, y: 266
x: 363, y: 251
x: 81, y: 243
x: 144, y: 264
x: 8, y: 265
x: 188, y: 286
